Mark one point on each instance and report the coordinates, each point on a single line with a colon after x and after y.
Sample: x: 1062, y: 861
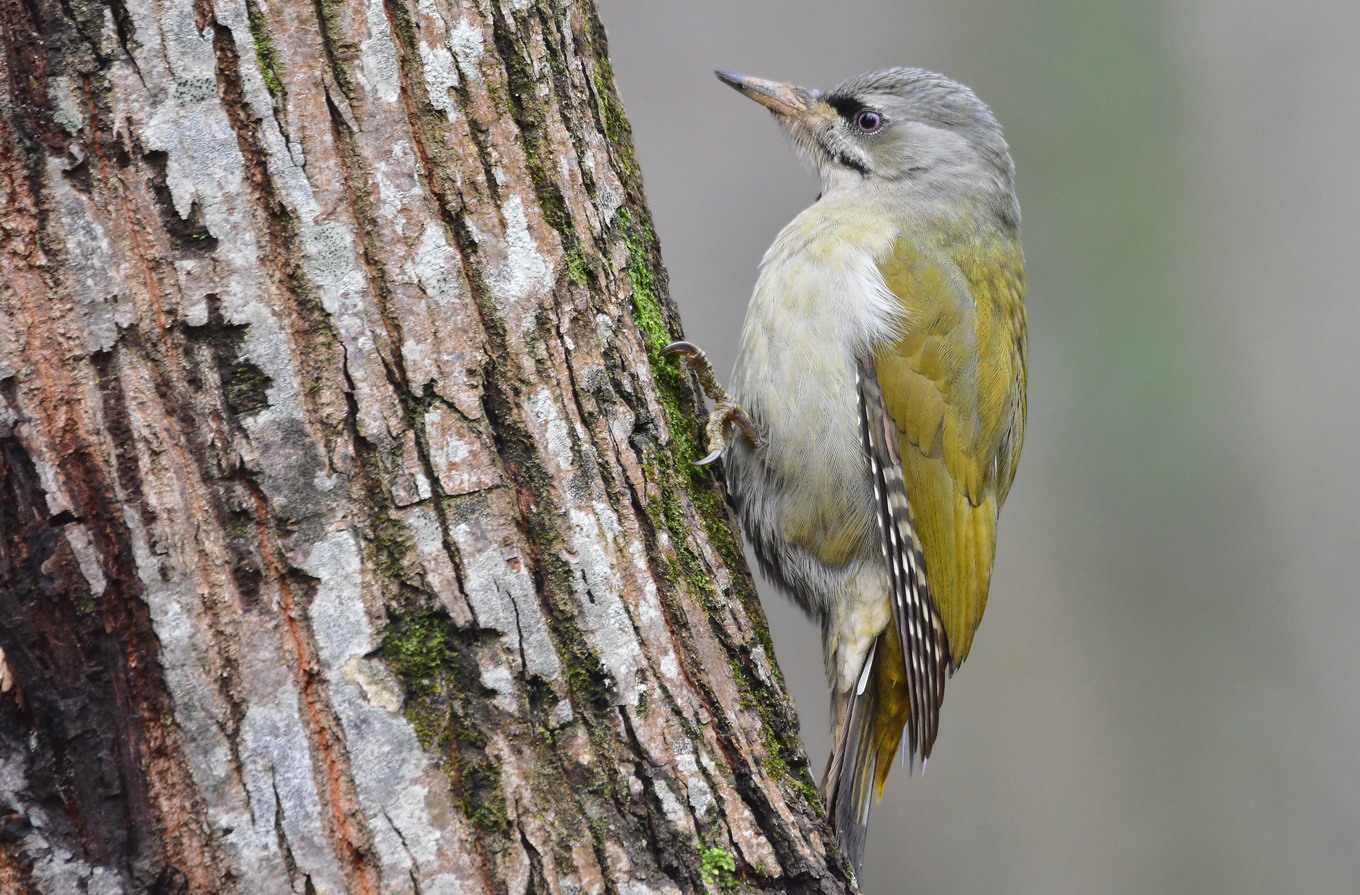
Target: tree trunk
x: 348, y: 541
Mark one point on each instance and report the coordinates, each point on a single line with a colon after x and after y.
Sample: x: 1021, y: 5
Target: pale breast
x: 819, y: 304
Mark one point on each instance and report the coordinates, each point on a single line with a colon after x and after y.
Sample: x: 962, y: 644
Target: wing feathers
x: 953, y: 385
x: 941, y: 419
x: 920, y: 630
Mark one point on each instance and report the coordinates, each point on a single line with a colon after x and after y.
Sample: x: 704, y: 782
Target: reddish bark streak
x: 138, y: 696
x: 113, y: 183
x: 342, y: 802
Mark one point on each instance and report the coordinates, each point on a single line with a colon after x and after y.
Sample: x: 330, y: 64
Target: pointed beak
x: 782, y: 99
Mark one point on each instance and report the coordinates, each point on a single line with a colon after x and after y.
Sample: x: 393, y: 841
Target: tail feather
x: 869, y: 735
x: 846, y: 783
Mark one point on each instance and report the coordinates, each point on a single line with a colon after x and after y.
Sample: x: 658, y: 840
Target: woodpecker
x: 877, y: 408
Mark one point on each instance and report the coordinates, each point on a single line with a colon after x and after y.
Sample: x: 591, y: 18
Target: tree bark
x: 348, y: 541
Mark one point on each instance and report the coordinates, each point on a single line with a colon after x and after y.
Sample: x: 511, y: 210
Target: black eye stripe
x: 845, y: 106
x: 852, y: 109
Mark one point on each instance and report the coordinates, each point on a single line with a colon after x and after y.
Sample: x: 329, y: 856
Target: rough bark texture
x: 347, y: 537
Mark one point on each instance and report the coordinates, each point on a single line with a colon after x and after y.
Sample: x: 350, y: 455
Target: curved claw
x: 687, y: 349
x: 726, y: 413
x: 711, y: 458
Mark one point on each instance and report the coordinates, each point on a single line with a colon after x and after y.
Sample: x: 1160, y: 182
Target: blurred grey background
x: 1164, y: 696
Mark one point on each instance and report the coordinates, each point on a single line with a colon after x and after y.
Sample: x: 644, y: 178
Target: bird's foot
x: 726, y: 412
x: 726, y: 415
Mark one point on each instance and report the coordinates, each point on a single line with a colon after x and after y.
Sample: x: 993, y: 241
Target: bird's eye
x: 868, y: 122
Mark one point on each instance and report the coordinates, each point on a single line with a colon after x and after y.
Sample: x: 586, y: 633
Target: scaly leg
x: 726, y: 412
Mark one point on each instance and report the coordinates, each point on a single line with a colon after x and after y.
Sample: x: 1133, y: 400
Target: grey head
x: 903, y: 130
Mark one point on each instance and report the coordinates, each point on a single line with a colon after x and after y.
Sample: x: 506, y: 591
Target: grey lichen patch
x: 441, y: 78
x: 328, y: 250
x: 431, y: 264
x: 68, y: 111
x: 468, y: 48
x: 378, y: 69
x: 194, y: 90
x: 526, y: 272
x: 459, y: 457
x: 94, y: 267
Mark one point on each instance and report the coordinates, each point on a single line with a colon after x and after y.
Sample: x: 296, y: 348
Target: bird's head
x: 903, y: 129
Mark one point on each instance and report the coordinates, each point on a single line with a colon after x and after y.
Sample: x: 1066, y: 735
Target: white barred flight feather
x: 920, y: 630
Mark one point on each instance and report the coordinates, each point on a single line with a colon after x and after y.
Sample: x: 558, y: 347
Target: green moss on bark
x: 266, y: 57
x: 718, y: 869
x: 437, y: 663
x: 388, y: 548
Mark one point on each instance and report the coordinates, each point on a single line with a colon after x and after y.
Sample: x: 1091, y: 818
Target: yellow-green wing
x: 942, y: 411
x: 954, y: 385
